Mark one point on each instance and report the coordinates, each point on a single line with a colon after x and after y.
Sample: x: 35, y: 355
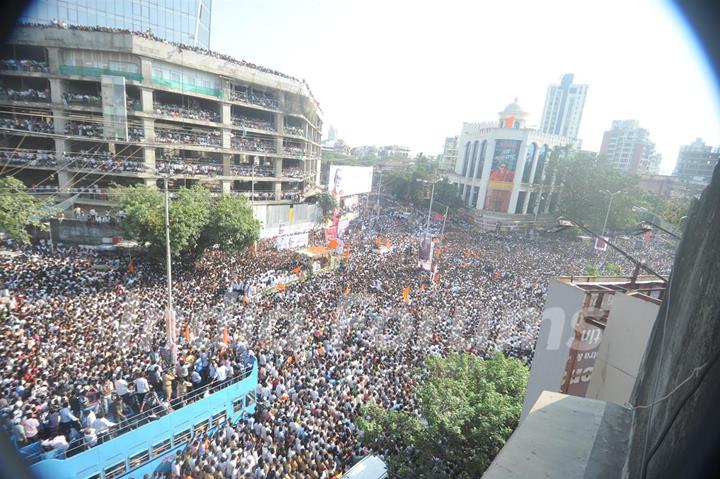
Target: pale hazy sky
x: 411, y: 72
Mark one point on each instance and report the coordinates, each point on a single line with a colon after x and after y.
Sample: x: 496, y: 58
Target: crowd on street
x: 81, y: 345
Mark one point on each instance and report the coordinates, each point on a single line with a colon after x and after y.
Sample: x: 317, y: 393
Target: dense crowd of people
x: 177, y: 137
x: 27, y: 157
x: 82, y: 336
x: 181, y: 166
x: 252, y: 144
x: 149, y: 35
x: 293, y: 148
x: 35, y: 124
x: 256, y: 123
x: 82, y: 99
x: 193, y: 112
x: 294, y: 130
x: 25, y: 65
x: 265, y: 100
x: 253, y: 170
x: 28, y: 94
x: 103, y: 161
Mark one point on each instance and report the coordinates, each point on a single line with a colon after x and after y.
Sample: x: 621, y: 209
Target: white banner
x: 292, y: 241
x: 349, y: 180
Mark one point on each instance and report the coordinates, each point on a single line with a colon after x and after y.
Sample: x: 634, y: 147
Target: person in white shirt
x: 141, y: 388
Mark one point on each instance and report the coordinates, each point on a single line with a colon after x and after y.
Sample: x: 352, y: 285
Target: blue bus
x: 149, y: 441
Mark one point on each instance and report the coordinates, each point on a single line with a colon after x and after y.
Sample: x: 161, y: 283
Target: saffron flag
x: 332, y: 244
x: 245, y: 299
x: 297, y: 269
x: 406, y: 294
x: 131, y: 267
x: 186, y: 333
x: 347, y: 252
x: 280, y: 287
x: 226, y: 337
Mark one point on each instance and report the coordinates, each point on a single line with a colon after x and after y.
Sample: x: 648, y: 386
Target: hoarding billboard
x: 349, y: 180
x: 502, y: 175
x: 425, y: 252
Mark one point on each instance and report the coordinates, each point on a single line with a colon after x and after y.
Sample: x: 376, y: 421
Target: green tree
x: 468, y: 408
x: 231, y: 225
x: 613, y: 269
x: 675, y: 210
x: 145, y: 217
x: 587, y: 183
x: 18, y: 209
x: 327, y: 204
x: 592, y: 270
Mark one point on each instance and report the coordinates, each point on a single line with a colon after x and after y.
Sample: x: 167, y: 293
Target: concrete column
x: 149, y: 159
x: 54, y: 60
x: 146, y: 98
x: 226, y: 187
x: 277, y: 187
x: 226, y: 138
x: 534, y: 164
x: 227, y: 165
x: 64, y: 179
x: 489, y: 153
x: 150, y: 182
x: 59, y: 153
x: 280, y: 123
x: 526, y: 202
x: 59, y: 120
x: 277, y: 167
x: 282, y: 101
x: 146, y: 70
x: 225, y: 114
x: 57, y: 88
x: 149, y: 129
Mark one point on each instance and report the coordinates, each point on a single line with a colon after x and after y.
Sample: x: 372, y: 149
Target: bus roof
x: 369, y: 467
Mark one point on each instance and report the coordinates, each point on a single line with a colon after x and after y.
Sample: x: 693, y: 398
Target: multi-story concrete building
x: 83, y: 110
x: 503, y: 167
x: 394, y: 151
x: 449, y: 154
x: 696, y: 162
x: 179, y: 21
x: 628, y: 148
x: 564, y: 104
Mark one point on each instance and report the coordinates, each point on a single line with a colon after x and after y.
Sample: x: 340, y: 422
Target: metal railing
x: 142, y: 418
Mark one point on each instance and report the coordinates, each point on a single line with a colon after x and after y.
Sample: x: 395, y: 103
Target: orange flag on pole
x: 297, y: 269
x: 186, y: 333
x: 332, y: 244
x: 280, y: 287
x: 406, y: 294
x: 226, y: 337
x: 131, y: 267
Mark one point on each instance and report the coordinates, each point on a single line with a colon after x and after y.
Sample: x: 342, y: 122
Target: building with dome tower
x: 503, y: 169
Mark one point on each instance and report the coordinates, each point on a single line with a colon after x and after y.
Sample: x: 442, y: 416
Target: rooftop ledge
x: 566, y: 437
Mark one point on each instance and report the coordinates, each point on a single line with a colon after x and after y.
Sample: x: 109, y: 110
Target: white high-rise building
x: 627, y: 147
x: 563, y: 108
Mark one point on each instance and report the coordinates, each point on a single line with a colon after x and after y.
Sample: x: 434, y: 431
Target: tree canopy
x: 18, y: 209
x: 469, y: 406
x: 588, y: 181
x: 197, y: 221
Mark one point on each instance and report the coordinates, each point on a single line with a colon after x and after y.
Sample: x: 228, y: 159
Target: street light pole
x: 607, y: 214
x: 432, y: 194
x: 169, y: 312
